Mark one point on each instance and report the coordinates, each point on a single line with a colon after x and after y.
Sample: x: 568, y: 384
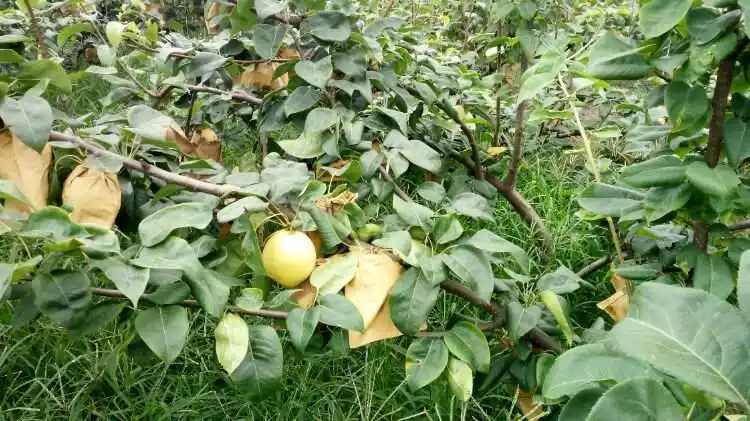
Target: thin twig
x: 453, y: 114
x: 236, y: 95
x: 594, y: 266
x: 41, y: 49
x: 135, y: 80
x: 400, y: 193
x: 592, y: 162
x: 154, y: 171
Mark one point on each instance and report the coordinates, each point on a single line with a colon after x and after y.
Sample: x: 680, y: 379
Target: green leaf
x: 705, y: 24
x: 266, y: 8
x: 62, y: 296
x: 473, y: 206
x: 204, y: 63
x: 637, y: 400
x: 253, y: 252
x: 743, y: 283
x: 232, y: 339
x: 169, y: 294
x: 736, y: 141
x: 95, y: 318
x: 425, y: 361
x: 128, y: 279
x: 6, y: 275
x: 10, y: 57
x: 164, y: 330
x: 411, y: 300
x: 334, y: 274
x: 337, y: 310
x: 665, y: 170
x: 414, y: 214
x: 315, y: 73
x: 691, y: 335
x: 467, y: 342
x: 608, y: 200
x: 328, y: 26
x: 53, y: 224
x: 423, y: 156
x: 556, y: 306
x: 521, y: 319
x: 156, y: 227
x: 472, y: 266
x: 72, y: 30
x: 261, y: 370
x: 360, y: 85
x: 249, y: 204
x: 29, y: 118
x: 663, y: 200
x: 400, y: 119
x: 250, y: 299
x: 659, y: 16
x: 307, y: 146
x: 460, y: 379
x: 431, y: 191
x: 268, y: 38
x: 612, y: 58
x: 585, y: 366
x: 9, y: 191
x: 447, y: 228
x: 301, y: 325
x: 395, y: 240
x: 561, y: 281
x: 351, y: 65
x: 425, y: 92
x: 38, y: 70
x: 579, y: 406
x: 719, y: 182
x: 114, y: 30
x: 644, y: 272
x: 370, y: 162
x: 320, y: 119
x: 713, y: 274
x: 492, y: 243
x: 303, y: 98
x: 687, y: 105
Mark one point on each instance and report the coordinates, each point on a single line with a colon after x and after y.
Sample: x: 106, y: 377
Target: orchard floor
x: 47, y: 375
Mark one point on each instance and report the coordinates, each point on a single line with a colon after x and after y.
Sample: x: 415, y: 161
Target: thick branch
x: 719, y: 103
x: 739, y: 226
x: 169, y: 177
x: 448, y: 109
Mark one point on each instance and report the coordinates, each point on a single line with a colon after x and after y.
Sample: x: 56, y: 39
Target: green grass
x: 48, y: 375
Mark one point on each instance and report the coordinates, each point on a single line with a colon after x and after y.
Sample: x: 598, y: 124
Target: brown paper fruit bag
x: 94, y: 196
x: 27, y: 169
x: 206, y: 144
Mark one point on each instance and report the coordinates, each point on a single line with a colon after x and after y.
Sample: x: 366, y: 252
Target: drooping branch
x: 453, y: 114
x: 154, y: 171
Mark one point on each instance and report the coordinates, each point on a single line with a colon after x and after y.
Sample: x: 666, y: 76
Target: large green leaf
x: 236, y: 209
x: 411, y: 300
x: 474, y: 206
x: 687, y: 106
x: 268, y: 38
x: 320, y: 119
x: 737, y: 141
x: 467, y: 342
x: 315, y: 73
x: 423, y: 156
x: 9, y: 191
x: 307, y: 146
x: 39, y: 70
x: 614, y: 58
x: 460, y: 379
x: 328, y: 26
x: 62, y: 296
x: 556, y: 305
x: 705, y: 24
x: 585, y: 366
x: 691, y: 335
x: 303, y: 98
x: 608, y: 200
x: 720, y: 181
x: 204, y: 63
x: 447, y: 228
x: 334, y: 274
x: 261, y: 370
x: 637, y: 400
x: 53, y: 224
x: 156, y: 227
x: 232, y: 338
x: 472, y: 266
x: 561, y: 281
x: 713, y: 274
x: 665, y: 170
x: 337, y: 310
x: 164, y: 330
x: 425, y: 361
x: 301, y: 325
x: 414, y: 214
x: 431, y: 191
x: 659, y: 16
x: 492, y: 243
x: 521, y: 319
x: 579, y: 406
x: 663, y: 200
x: 29, y: 118
x: 128, y: 279
x: 266, y: 8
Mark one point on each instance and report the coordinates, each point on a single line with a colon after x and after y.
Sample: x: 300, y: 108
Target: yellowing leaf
x: 496, y: 151
x: 232, y: 339
x: 525, y: 402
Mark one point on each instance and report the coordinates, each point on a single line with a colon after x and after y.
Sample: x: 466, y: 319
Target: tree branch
x: 135, y: 80
x: 169, y: 177
x: 453, y: 114
x: 517, y: 152
x: 396, y: 189
x: 236, y: 95
x: 739, y: 226
x: 41, y: 49
x: 594, y: 266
